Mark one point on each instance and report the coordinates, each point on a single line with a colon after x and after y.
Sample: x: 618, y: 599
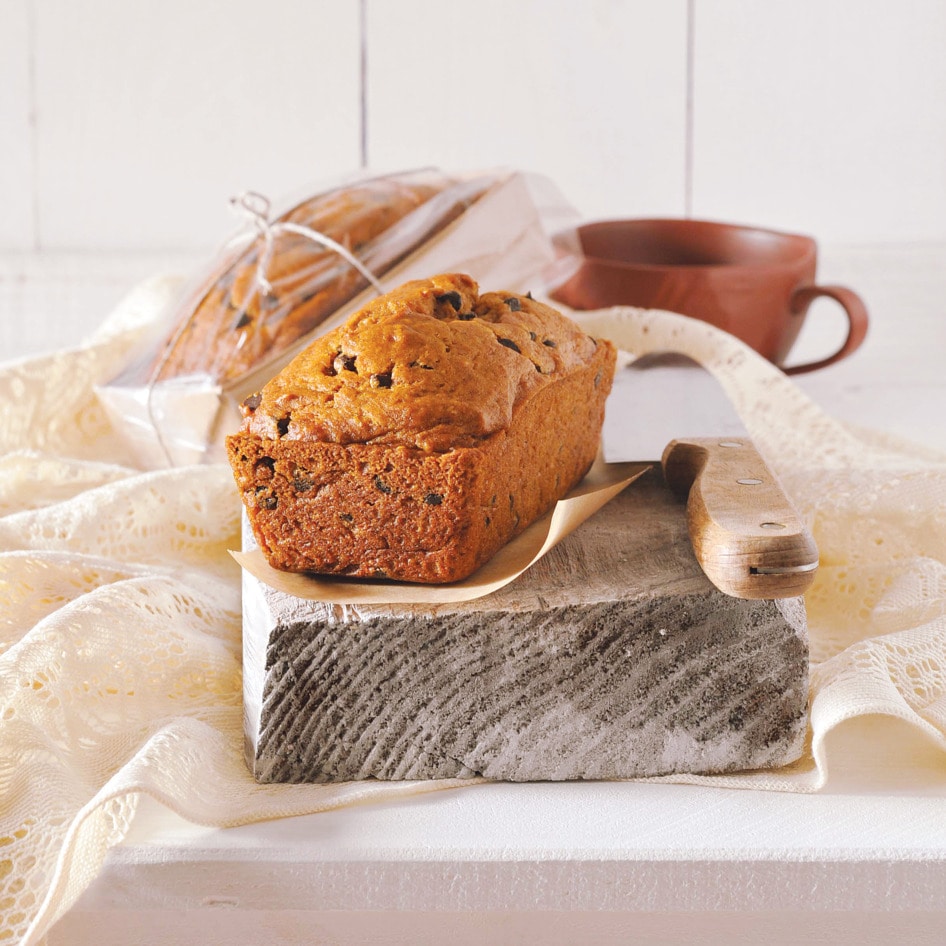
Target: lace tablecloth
x: 120, y: 648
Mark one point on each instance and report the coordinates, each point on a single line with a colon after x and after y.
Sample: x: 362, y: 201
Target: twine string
x: 256, y: 208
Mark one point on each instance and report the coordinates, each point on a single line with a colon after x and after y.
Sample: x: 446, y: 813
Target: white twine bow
x: 256, y: 208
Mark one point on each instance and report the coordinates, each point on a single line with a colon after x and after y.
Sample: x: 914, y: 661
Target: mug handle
x: 856, y: 311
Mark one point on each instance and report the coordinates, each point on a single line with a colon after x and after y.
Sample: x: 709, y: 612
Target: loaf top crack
x: 432, y: 365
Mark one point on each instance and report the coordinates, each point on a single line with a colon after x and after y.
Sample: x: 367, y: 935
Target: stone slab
x: 613, y: 657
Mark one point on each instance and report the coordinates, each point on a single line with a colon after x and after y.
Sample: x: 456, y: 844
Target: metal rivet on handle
x: 772, y: 525
x: 749, y: 482
x: 730, y: 443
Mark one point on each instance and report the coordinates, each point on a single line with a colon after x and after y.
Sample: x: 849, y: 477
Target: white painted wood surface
x: 149, y: 116
x: 17, y: 186
x: 586, y: 92
x: 862, y: 863
x: 823, y: 117
x: 130, y: 125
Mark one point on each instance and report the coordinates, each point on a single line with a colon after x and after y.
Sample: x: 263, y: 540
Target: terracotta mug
x: 755, y: 284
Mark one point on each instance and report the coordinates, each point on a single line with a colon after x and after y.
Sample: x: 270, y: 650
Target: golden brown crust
x: 416, y: 440
x: 432, y: 365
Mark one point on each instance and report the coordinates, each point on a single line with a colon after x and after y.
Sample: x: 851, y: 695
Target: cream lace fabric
x: 120, y: 646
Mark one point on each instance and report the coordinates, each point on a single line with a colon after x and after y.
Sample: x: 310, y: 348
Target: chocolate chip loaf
x: 234, y: 323
x: 417, y: 439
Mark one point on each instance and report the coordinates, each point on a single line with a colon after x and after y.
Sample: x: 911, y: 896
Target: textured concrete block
x: 613, y: 657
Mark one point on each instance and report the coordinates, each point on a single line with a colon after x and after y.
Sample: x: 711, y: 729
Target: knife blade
x: 746, y: 534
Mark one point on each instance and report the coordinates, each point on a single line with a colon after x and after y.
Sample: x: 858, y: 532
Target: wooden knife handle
x: 746, y: 535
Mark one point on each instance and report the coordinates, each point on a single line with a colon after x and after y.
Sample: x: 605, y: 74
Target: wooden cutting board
x: 612, y: 657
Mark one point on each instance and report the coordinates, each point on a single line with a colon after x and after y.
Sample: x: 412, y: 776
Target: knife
x: 746, y: 535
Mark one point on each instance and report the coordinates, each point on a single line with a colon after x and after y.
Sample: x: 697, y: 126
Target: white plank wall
x: 127, y: 125
x: 186, y: 103
x: 17, y: 183
x: 592, y: 94
x: 144, y: 117
x: 825, y: 116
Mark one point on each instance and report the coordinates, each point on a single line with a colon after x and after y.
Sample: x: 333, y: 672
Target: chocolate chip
x: 381, y: 486
x: 533, y: 336
x: 267, y: 500
x: 265, y: 463
x: 382, y: 380
x: 282, y: 425
x: 513, y: 303
x: 453, y: 298
x: 242, y: 321
x: 301, y: 484
x: 344, y: 362
x: 549, y: 343
x: 253, y: 402
x: 529, y: 294
x: 433, y: 499
x: 509, y: 343
x: 346, y: 517
x: 466, y: 316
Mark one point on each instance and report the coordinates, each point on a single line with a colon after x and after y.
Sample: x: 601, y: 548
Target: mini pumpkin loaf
x: 234, y: 325
x: 417, y: 439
